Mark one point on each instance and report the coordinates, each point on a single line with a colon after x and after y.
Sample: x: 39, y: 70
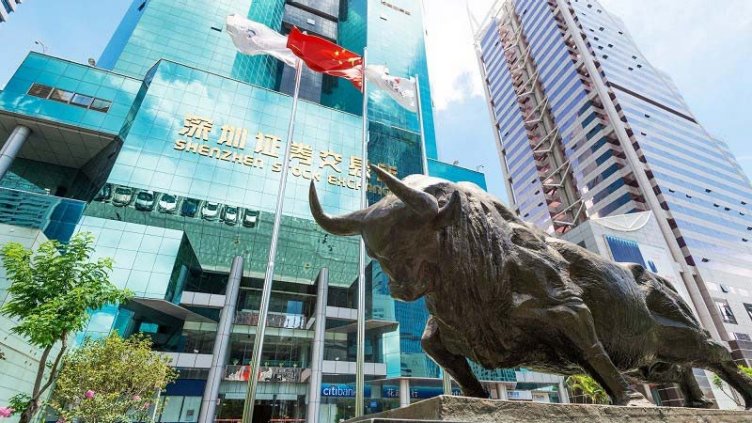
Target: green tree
x: 746, y: 370
x: 587, y: 386
x: 111, y: 380
x: 51, y: 290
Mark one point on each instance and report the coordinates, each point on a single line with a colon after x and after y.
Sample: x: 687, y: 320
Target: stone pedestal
x: 467, y: 410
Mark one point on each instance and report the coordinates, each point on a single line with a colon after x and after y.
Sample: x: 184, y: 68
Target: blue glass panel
x: 625, y: 250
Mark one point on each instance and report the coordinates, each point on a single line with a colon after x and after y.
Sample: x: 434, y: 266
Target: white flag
x: 253, y: 38
x: 402, y: 90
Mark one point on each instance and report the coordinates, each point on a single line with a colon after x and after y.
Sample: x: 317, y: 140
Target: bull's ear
x: 450, y: 212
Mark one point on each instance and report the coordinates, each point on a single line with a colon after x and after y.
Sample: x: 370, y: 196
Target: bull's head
x: 401, y: 231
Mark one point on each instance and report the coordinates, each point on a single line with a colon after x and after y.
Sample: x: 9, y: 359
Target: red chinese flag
x: 326, y: 57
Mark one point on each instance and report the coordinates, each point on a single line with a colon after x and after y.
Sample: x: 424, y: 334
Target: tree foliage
x: 587, y: 386
x: 746, y: 370
x: 51, y: 290
x: 123, y: 378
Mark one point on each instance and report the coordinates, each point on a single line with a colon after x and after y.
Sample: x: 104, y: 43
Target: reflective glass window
x: 725, y: 310
x: 61, y: 95
x: 625, y: 250
x: 40, y: 90
x: 100, y: 105
x: 81, y: 100
x: 748, y: 308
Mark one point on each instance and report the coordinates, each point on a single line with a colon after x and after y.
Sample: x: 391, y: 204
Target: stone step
x: 453, y: 409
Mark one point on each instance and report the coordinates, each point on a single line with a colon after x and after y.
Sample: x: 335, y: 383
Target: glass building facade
x: 587, y: 128
x: 170, y: 153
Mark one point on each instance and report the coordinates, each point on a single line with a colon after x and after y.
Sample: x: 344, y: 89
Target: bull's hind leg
x: 456, y: 365
x: 693, y: 395
x: 690, y: 345
x: 719, y: 361
x: 575, y: 325
x: 681, y: 375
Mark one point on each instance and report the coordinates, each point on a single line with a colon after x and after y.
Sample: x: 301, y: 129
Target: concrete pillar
x: 501, y: 391
x: 563, y: 393
x: 221, y: 343
x: 648, y: 393
x: 404, y: 392
x: 11, y: 147
x: 317, y: 348
x: 446, y: 382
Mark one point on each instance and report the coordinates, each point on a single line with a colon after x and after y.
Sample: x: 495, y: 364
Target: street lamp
x: 41, y: 44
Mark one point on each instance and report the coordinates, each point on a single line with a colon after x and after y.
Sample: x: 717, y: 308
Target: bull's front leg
x: 455, y: 365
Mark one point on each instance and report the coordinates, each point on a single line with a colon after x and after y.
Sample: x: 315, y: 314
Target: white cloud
x: 679, y: 37
x: 451, y: 57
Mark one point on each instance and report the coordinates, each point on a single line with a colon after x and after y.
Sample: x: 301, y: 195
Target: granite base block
x: 450, y: 409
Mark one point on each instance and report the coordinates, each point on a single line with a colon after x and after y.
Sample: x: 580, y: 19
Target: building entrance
x: 265, y: 411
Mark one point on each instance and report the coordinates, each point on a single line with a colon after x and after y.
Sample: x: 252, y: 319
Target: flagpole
x: 446, y: 380
x: 361, y: 339
x: 424, y: 155
x: 258, y: 345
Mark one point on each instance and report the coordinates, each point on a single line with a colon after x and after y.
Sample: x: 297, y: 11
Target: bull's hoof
x: 701, y: 403
x: 477, y: 394
x: 635, y: 399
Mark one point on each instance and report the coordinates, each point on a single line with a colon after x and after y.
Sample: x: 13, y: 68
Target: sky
x: 704, y: 45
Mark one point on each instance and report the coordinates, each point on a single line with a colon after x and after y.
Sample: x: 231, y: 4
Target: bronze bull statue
x: 505, y: 294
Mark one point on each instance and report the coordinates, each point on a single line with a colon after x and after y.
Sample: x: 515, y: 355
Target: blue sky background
x: 704, y: 45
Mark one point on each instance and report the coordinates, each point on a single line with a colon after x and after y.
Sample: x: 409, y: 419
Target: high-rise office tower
x: 587, y: 128
x: 169, y: 151
x: 7, y: 7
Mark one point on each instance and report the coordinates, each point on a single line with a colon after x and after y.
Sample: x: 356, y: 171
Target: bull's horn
x: 346, y: 225
x: 421, y: 203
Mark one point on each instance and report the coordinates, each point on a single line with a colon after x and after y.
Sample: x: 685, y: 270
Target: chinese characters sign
x: 266, y: 152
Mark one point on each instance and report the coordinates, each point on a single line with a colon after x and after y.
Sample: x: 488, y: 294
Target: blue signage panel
x: 387, y: 391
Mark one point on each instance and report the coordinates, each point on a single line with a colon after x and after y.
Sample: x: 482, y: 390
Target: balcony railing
x: 267, y: 374
x: 273, y: 320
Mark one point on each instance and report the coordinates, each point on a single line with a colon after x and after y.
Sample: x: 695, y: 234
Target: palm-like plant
x: 587, y: 387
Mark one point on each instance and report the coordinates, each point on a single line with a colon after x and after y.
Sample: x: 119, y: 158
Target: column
x: 501, y: 391
x: 404, y: 392
x: 563, y: 393
x: 221, y: 343
x: 648, y: 393
x: 446, y: 382
x: 11, y: 147
x: 317, y: 348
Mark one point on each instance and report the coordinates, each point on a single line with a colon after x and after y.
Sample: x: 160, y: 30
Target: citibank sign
x: 387, y: 391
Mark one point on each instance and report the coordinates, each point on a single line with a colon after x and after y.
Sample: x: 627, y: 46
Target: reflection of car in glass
x: 105, y: 193
x: 122, y: 196
x: 145, y: 200
x: 167, y: 203
x: 250, y: 217
x: 190, y: 207
x: 210, y: 211
x: 230, y: 215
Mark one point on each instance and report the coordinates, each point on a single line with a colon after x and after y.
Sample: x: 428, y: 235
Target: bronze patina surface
x: 506, y: 294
